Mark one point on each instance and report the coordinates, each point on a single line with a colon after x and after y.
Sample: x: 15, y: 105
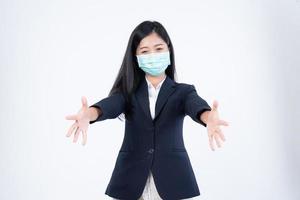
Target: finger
x: 76, y: 135
x: 84, y: 101
x: 221, y: 135
x: 222, y: 122
x: 215, y: 105
x: 217, y: 139
x: 71, y: 117
x: 84, y: 137
x: 71, y: 129
x: 219, y: 131
x: 211, y: 142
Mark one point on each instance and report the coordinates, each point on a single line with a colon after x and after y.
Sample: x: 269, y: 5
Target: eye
x: 143, y: 51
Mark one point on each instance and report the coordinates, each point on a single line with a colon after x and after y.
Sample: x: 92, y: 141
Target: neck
x: 155, y: 80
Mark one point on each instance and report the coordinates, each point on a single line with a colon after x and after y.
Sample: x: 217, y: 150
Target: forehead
x: 151, y: 40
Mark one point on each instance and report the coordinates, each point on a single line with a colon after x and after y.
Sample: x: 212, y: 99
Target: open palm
x: 81, y: 123
x: 213, y: 127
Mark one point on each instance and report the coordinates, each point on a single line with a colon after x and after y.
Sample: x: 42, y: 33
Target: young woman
x: 152, y: 162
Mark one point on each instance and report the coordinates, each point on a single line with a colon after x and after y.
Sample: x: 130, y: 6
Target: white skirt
x: 150, y: 191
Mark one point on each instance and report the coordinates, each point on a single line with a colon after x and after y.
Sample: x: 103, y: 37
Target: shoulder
x: 186, y: 89
x: 185, y: 86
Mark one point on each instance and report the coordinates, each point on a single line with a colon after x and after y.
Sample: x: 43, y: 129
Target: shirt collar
x: 158, y: 86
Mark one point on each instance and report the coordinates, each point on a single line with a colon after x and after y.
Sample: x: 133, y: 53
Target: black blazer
x: 155, y: 145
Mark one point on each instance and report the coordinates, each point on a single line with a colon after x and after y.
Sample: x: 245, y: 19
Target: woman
x: 152, y: 162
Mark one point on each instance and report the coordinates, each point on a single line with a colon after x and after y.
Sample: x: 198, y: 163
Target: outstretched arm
x: 194, y: 105
x: 107, y: 108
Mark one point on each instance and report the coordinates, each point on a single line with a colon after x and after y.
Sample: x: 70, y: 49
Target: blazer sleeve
x: 111, y: 107
x: 194, y: 105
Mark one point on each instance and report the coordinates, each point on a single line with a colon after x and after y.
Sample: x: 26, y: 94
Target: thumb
x: 84, y: 101
x: 215, y: 105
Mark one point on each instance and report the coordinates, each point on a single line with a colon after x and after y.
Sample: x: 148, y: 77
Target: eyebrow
x: 154, y: 45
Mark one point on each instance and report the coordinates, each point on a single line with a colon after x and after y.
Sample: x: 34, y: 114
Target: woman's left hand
x: 213, y: 126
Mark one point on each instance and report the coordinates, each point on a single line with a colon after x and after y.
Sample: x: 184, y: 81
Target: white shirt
x: 153, y: 93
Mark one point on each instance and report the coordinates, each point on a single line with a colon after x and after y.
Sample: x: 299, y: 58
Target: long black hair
x: 130, y: 75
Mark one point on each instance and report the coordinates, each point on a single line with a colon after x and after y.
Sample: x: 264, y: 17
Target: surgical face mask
x: 154, y: 63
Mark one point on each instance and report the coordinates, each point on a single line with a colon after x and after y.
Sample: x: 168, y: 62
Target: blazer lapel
x: 166, y: 89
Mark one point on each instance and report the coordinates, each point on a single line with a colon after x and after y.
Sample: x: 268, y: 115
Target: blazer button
x: 150, y: 150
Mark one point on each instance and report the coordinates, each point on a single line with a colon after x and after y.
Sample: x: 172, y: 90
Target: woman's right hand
x: 81, y: 124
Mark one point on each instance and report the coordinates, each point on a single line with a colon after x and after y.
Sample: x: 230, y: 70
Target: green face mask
x: 154, y: 63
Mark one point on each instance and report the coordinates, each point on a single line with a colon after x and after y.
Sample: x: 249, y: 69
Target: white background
x: 245, y: 54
